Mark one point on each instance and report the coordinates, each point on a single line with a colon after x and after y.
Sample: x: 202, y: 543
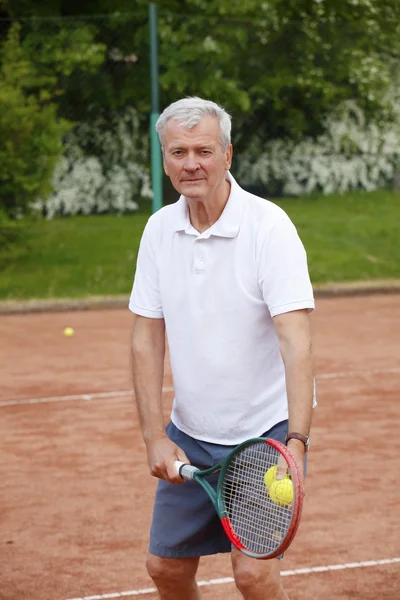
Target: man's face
x: 194, y: 159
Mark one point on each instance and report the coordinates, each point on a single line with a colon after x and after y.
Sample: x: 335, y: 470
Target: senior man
x: 224, y: 274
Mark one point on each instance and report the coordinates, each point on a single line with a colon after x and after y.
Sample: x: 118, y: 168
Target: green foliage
x: 59, y: 50
x: 30, y: 131
x: 280, y: 66
x: 37, y: 59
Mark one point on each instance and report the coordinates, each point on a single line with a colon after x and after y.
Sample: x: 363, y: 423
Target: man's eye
x: 205, y: 152
x: 177, y: 153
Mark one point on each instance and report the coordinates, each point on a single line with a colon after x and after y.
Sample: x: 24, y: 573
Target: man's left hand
x: 297, y: 448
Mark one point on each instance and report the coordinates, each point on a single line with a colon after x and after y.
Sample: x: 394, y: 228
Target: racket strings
x: 258, y: 522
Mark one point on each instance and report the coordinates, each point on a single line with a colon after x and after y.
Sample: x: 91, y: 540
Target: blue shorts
x: 185, y: 523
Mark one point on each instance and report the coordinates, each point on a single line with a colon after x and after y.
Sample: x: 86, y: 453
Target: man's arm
x: 293, y: 330
x: 148, y: 354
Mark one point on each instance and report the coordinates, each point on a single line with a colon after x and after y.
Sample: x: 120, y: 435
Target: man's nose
x: 191, y: 163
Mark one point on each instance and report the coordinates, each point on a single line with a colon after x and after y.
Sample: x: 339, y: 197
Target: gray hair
x: 189, y: 112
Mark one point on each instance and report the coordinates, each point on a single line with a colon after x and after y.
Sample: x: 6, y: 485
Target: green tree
x: 30, y: 131
x: 35, y: 67
x: 279, y: 66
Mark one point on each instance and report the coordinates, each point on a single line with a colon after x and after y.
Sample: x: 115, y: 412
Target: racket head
x: 257, y: 525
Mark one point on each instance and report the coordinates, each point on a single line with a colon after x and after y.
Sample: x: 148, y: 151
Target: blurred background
x: 313, y: 88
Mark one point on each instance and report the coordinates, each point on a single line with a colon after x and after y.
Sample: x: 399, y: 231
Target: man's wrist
x: 296, y: 444
x: 149, y: 438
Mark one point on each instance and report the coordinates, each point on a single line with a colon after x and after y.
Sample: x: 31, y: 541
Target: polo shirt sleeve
x: 283, y: 272
x: 145, y: 298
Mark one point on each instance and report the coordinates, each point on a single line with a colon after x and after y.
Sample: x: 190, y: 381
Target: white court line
x: 98, y: 395
x: 225, y: 580
x: 342, y: 374
x: 123, y: 394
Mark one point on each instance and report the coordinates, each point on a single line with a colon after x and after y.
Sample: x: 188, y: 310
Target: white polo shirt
x: 217, y: 292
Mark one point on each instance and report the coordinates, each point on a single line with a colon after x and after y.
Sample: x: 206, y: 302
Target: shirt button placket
x: 198, y: 257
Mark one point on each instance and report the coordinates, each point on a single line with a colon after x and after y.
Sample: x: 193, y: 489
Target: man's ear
x: 164, y: 163
x: 228, y: 157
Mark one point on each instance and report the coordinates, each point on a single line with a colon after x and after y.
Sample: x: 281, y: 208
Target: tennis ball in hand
x: 68, y: 332
x: 281, y: 491
x: 270, y: 476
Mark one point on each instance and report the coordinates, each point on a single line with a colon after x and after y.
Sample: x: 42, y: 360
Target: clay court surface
x: 76, y: 498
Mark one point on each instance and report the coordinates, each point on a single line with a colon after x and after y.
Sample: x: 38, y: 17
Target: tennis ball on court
x: 281, y: 491
x: 68, y: 332
x: 270, y: 476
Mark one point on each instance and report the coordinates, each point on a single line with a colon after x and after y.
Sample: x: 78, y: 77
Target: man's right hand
x: 161, y: 456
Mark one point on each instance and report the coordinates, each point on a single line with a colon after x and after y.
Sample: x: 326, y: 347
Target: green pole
x: 156, y: 163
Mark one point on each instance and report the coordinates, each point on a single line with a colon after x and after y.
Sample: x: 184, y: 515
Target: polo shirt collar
x: 228, y: 224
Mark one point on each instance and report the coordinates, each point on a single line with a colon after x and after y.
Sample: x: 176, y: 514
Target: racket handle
x: 186, y: 471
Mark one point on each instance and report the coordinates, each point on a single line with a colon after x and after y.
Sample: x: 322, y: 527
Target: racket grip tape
x: 185, y: 471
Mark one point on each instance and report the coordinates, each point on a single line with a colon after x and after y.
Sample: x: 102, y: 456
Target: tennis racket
x: 259, y: 513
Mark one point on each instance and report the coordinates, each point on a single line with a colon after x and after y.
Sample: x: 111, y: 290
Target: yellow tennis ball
x: 68, y: 332
x: 281, y: 491
x: 270, y: 476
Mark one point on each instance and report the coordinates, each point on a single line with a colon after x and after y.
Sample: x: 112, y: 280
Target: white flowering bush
x: 103, y: 169
x: 350, y: 154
